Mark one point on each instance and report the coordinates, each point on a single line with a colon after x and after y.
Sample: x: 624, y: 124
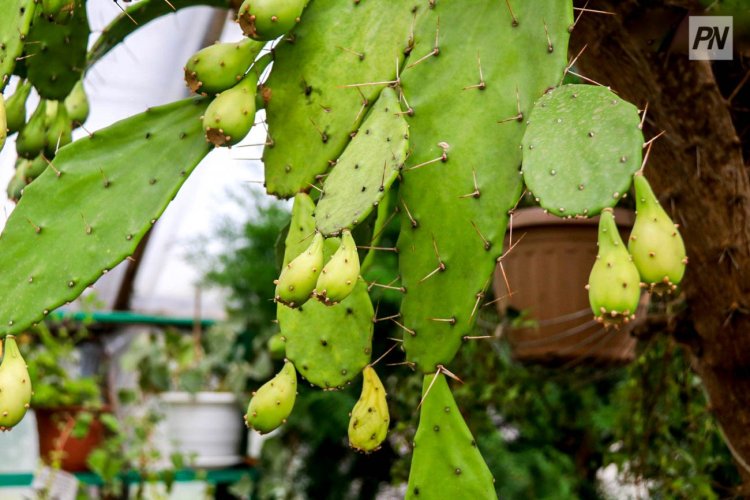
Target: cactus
x: 655, y: 243
x: 468, y: 100
x: 339, y: 276
x: 77, y: 105
x: 298, y: 277
x: 371, y: 161
x: 15, y: 386
x: 446, y: 462
x: 3, y: 122
x: 269, y: 19
x: 19, y: 179
x: 221, y: 66
x: 614, y: 284
x: 55, y: 54
x: 59, y: 128
x: 368, y: 423
x: 134, y: 168
x: 272, y: 404
x: 310, y: 111
x: 59, y: 11
x: 230, y: 116
x: 14, y: 26
x: 580, y: 150
x: 33, y: 136
x: 15, y: 107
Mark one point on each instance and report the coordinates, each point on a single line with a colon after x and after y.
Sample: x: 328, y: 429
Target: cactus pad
x: 14, y: 25
x: 580, y: 150
x: 468, y: 100
x: 366, y: 169
x: 109, y: 190
x: 446, y: 462
x: 56, y: 54
x: 310, y: 111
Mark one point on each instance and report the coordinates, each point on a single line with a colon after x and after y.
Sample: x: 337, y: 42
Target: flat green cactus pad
x: 471, y: 79
x: 329, y: 345
x: 89, y: 212
x: 366, y: 169
x: 55, y: 54
x: 310, y: 110
x: 446, y: 462
x: 14, y: 25
x: 580, y: 150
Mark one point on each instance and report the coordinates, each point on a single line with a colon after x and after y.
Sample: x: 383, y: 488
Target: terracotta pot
x: 55, y: 426
x: 547, y: 272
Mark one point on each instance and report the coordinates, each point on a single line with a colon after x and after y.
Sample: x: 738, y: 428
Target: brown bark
x: 697, y: 168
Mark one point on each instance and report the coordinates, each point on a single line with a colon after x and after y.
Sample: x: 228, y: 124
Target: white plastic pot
x: 205, y: 427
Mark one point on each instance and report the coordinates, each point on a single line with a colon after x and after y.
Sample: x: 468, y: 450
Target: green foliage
x: 14, y: 26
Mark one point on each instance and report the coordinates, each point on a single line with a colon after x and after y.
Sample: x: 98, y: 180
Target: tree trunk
x: 698, y: 171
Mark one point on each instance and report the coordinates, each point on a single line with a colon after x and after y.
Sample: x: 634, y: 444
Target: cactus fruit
x: 446, y: 462
x: 59, y: 128
x: 59, y: 11
x: 614, y: 284
x: 269, y: 19
x: 15, y: 107
x: 339, y: 276
x: 15, y: 386
x: 273, y: 402
x: 33, y: 136
x: 298, y: 278
x: 77, y: 105
x: 231, y: 115
x: 19, y: 179
x: 220, y: 66
x: 368, y: 422
x: 3, y: 122
x: 14, y: 26
x: 580, y: 150
x: 655, y: 243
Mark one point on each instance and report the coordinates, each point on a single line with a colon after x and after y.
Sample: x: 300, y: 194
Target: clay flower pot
x: 55, y: 426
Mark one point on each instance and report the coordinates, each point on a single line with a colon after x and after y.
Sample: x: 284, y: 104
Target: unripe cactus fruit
x: 614, y: 284
x: 15, y: 107
x: 15, y: 386
x: 369, y: 420
x: 268, y: 19
x: 340, y: 274
x: 220, y: 66
x: 31, y: 139
x: 19, y: 179
x: 655, y: 243
x: 59, y: 128
x: 298, y: 278
x: 3, y: 122
x: 231, y: 115
x: 273, y: 402
x: 77, y: 105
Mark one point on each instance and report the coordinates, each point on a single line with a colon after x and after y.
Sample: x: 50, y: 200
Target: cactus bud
x: 614, y: 284
x: 59, y: 128
x: 369, y: 421
x: 19, y: 179
x: 340, y: 274
x: 15, y: 107
x: 31, y: 138
x: 220, y: 66
x: 231, y: 115
x: 15, y: 386
x: 273, y: 402
x: 77, y: 105
x: 269, y: 19
x: 655, y: 243
x: 298, y: 278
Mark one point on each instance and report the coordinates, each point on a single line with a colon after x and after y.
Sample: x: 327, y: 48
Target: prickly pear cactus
x: 580, y: 150
x: 221, y: 66
x: 77, y: 105
x: 134, y: 168
x: 655, y: 242
x: 366, y: 169
x: 368, y: 423
x: 614, y: 284
x: 474, y: 71
x: 33, y: 136
x: 446, y: 462
x: 231, y: 114
x: 3, y: 122
x: 310, y: 110
x: 15, y: 386
x: 272, y: 404
x: 14, y: 26
x: 15, y: 107
x: 299, y: 276
x: 269, y: 19
x: 339, y: 276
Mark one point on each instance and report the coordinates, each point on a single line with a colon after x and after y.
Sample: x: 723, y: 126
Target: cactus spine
x: 15, y: 386
x: 273, y: 402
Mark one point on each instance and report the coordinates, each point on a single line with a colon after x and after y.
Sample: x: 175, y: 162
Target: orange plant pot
x: 55, y: 426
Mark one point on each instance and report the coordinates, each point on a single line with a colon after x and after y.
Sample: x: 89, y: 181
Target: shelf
x: 129, y: 318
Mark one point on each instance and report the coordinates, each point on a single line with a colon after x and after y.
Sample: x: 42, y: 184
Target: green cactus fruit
x: 231, y: 115
x: 77, y: 105
x: 369, y: 420
x: 269, y: 19
x: 655, y: 243
x: 35, y: 168
x: 340, y: 274
x: 59, y: 128
x: 273, y: 402
x: 614, y: 283
x: 60, y: 11
x: 3, y: 122
x: 299, y: 277
x: 219, y: 67
x: 19, y: 179
x: 15, y: 107
x: 276, y: 346
x: 15, y: 386
x: 31, y: 139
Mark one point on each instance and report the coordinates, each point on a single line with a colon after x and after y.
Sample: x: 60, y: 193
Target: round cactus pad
x: 580, y: 150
